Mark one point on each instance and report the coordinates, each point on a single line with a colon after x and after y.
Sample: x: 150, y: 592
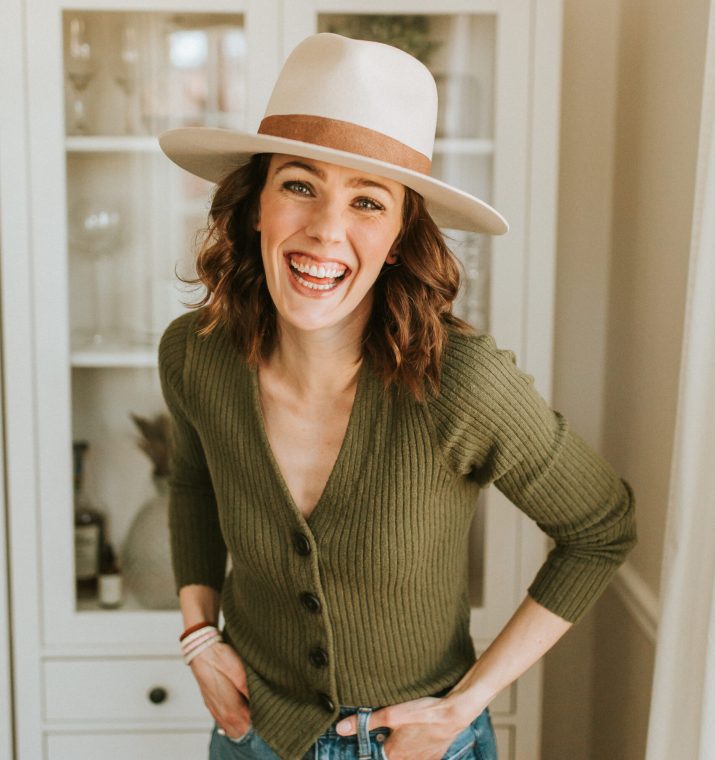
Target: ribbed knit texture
x: 389, y: 535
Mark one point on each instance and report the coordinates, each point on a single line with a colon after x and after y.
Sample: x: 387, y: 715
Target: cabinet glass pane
x: 133, y: 217
x: 459, y: 50
x: 139, y: 73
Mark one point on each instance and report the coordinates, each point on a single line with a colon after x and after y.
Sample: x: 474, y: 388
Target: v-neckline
x: 336, y: 471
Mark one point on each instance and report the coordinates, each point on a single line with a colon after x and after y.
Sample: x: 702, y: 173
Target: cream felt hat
x: 356, y: 103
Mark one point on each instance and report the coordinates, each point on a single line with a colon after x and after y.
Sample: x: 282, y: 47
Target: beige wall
x: 661, y: 64
x: 622, y: 679
x: 584, y: 222
x: 632, y: 81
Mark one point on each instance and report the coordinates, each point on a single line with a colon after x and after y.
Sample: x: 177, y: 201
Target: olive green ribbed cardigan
x: 366, y: 601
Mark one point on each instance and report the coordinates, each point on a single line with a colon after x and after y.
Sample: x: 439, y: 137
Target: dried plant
x: 410, y: 33
x: 154, y: 440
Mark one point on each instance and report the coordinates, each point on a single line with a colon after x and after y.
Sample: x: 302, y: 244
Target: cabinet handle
x: 158, y: 695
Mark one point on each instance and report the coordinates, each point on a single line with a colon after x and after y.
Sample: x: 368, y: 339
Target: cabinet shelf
x: 115, y: 357
x: 129, y: 604
x: 111, y: 144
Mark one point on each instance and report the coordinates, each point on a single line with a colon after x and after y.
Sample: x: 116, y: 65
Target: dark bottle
x: 88, y: 530
x: 110, y: 579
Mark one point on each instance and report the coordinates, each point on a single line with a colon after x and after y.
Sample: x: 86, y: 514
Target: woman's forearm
x: 199, y: 603
x: 529, y: 634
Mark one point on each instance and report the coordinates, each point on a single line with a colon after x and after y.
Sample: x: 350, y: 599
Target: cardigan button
x: 319, y: 657
x: 325, y: 700
x: 310, y: 601
x: 301, y: 543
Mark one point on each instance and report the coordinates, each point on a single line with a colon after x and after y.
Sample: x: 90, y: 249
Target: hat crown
x: 369, y: 84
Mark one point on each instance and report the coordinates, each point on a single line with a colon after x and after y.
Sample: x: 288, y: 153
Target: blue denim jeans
x: 475, y: 742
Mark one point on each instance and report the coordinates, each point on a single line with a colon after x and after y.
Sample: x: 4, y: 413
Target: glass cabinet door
x: 474, y: 51
x: 129, y: 76
x: 118, y: 224
x: 458, y: 49
x: 478, y: 54
x: 130, y: 214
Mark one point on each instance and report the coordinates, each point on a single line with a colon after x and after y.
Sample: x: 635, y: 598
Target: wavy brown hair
x: 412, y: 305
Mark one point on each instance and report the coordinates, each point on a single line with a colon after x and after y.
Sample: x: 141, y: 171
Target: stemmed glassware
x: 95, y: 232
x: 81, y: 67
x: 128, y: 77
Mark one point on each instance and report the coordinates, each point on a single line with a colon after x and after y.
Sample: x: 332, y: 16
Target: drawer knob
x: 158, y: 695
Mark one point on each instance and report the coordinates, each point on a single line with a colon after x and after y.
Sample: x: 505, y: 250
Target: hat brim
x: 212, y: 153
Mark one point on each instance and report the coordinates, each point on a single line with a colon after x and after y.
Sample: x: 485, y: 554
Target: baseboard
x: 639, y: 600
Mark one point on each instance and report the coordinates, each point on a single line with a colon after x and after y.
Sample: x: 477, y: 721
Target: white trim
x: 6, y: 706
x: 639, y: 599
x: 543, y: 179
x: 19, y: 383
x: 414, y: 6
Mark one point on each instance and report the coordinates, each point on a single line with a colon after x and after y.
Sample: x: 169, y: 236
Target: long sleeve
x: 494, y: 427
x: 197, y: 546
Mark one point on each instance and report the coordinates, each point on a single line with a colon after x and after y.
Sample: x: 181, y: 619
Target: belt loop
x: 363, y: 733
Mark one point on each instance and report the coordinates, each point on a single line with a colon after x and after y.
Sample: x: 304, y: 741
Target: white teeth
x: 315, y: 285
x: 316, y: 271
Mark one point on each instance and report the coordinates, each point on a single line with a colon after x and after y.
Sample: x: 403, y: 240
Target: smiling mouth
x: 318, y: 280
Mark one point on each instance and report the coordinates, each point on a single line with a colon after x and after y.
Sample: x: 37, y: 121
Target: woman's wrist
x: 464, y: 706
x: 195, y: 627
x: 470, y: 696
x: 199, y: 604
x: 196, y: 640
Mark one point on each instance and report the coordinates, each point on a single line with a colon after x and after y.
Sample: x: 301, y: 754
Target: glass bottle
x: 110, y: 579
x: 89, y: 524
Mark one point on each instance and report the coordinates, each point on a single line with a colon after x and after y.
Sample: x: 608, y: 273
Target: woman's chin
x: 315, y: 316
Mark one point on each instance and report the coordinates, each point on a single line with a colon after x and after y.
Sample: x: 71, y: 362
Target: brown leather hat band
x: 344, y: 135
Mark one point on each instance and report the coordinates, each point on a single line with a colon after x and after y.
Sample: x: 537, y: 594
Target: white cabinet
x: 120, y: 689
x: 140, y: 745
x: 106, y: 220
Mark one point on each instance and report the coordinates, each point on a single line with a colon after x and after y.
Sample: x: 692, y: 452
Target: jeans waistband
x: 346, y: 710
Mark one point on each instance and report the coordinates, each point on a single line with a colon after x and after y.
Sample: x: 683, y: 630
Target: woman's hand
x: 421, y: 728
x: 222, y: 680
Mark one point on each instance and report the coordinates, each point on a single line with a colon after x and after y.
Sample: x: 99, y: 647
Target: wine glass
x: 81, y: 68
x: 128, y: 77
x: 95, y: 227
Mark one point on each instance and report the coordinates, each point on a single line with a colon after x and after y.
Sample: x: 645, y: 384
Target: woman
x: 333, y: 424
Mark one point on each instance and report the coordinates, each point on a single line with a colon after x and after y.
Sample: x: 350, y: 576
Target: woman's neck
x: 324, y: 362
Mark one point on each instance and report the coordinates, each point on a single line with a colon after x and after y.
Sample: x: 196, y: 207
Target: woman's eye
x: 371, y: 205
x: 302, y: 188
x: 297, y: 187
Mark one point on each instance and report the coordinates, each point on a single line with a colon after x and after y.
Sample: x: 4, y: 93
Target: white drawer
x: 119, y: 690
x: 136, y: 746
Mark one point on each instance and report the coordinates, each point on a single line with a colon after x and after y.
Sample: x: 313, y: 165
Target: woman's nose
x: 326, y: 223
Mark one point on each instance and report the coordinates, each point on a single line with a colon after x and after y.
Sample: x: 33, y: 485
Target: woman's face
x: 326, y: 231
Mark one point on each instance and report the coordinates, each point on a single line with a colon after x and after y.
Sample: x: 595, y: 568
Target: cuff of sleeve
x: 569, y: 586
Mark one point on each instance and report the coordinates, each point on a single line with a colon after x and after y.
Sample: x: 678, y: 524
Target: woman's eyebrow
x: 301, y: 165
x: 362, y: 182
x: 354, y: 182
